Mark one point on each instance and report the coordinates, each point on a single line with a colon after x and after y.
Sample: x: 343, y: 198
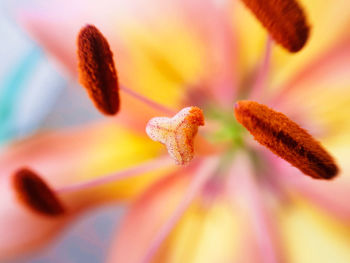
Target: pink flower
x: 236, y: 201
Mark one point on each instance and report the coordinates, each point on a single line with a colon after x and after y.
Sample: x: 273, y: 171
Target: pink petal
x: 77, y: 154
x: 62, y: 158
x: 60, y: 42
x: 145, y: 217
x: 212, y: 22
x: 330, y: 67
x: 55, y: 25
x: 122, y: 20
x: 331, y: 196
x: 56, y: 32
x: 21, y: 228
x: 263, y: 240
x: 195, y: 188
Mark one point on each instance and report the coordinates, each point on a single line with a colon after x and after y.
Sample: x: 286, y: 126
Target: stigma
x: 286, y: 139
x: 177, y: 133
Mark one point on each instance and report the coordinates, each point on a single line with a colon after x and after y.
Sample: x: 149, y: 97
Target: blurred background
x: 34, y: 97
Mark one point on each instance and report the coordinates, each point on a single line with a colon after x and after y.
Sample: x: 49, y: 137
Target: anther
x: 36, y: 194
x: 284, y: 19
x: 177, y: 133
x: 286, y: 139
x: 97, y: 71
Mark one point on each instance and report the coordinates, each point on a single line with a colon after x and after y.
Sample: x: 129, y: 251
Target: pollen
x: 284, y: 19
x: 97, y: 72
x: 286, y: 139
x: 36, y: 194
x: 177, y: 133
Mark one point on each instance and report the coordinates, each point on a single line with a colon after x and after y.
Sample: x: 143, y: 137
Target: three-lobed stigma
x: 177, y: 133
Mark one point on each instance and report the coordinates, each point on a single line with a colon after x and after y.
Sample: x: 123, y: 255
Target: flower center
x: 271, y: 129
x: 227, y: 130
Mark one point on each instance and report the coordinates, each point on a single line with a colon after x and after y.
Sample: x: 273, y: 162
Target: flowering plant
x: 220, y: 197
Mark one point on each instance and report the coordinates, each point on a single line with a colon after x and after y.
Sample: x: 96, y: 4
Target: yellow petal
x: 204, y: 235
x: 153, y: 208
x: 75, y: 155
x: 329, y: 21
x: 313, y: 237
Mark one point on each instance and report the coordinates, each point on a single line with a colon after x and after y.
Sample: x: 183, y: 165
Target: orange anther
x: 36, y: 194
x: 284, y: 19
x: 286, y: 139
x: 96, y: 70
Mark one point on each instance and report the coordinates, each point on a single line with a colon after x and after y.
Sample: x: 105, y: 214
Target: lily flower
x: 183, y: 65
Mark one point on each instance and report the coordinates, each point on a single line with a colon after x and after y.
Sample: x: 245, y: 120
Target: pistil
x: 177, y: 133
x: 204, y: 173
x: 245, y: 186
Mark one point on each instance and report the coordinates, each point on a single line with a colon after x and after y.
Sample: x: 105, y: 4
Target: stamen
x: 177, y: 133
x: 284, y: 19
x: 98, y: 75
x: 262, y: 75
x: 97, y: 71
x: 36, y: 194
x: 120, y: 175
x: 147, y: 101
x: 286, y: 139
x: 202, y: 176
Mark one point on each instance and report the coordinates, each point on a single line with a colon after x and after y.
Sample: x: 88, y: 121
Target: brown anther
x: 284, y: 19
x: 36, y: 194
x: 286, y: 139
x: 97, y: 71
